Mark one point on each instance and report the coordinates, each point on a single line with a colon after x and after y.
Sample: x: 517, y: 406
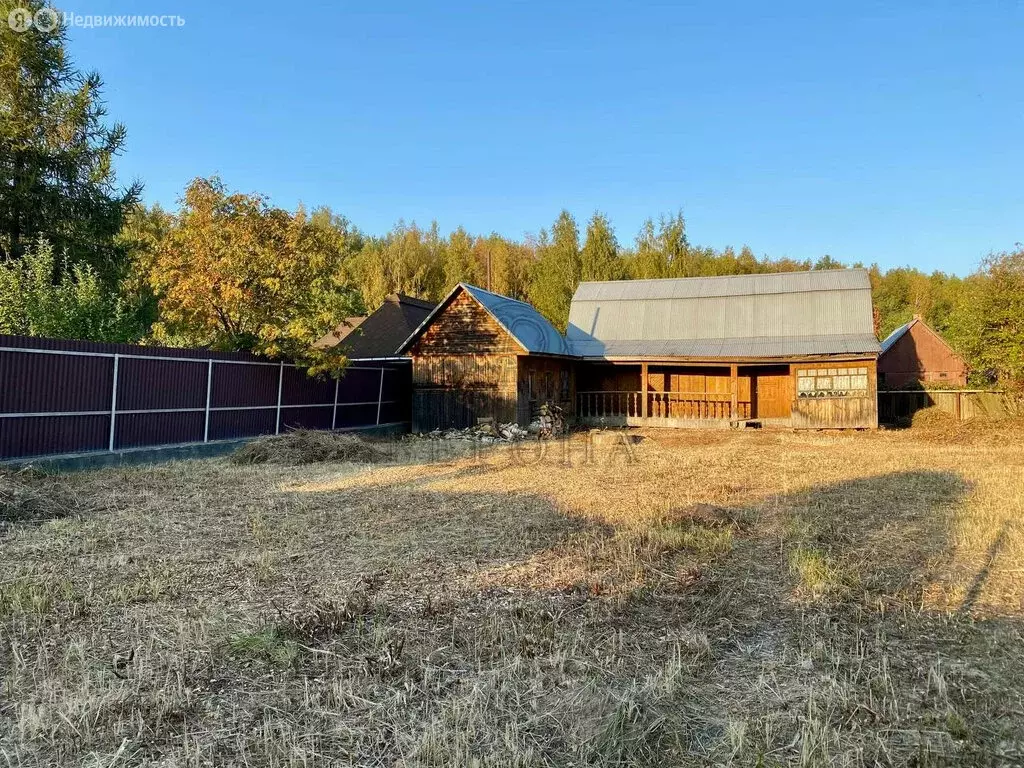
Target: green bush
x: 39, y: 297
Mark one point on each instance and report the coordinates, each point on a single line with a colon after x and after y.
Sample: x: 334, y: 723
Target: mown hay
x: 931, y: 418
x: 937, y: 426
x: 26, y: 497
x: 308, y: 447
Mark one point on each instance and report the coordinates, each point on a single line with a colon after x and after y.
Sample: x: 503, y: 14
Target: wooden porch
x: 819, y: 394
x: 684, y: 395
x: 660, y: 405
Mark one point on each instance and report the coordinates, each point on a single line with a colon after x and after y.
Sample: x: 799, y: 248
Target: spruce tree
x: 56, y: 153
x: 600, y: 255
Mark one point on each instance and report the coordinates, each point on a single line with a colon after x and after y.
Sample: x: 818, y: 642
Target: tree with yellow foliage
x: 237, y: 274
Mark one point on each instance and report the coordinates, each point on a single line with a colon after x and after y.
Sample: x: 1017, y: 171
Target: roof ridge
x: 686, y: 298
x: 484, y: 298
x: 722, y: 277
x: 470, y: 286
x: 717, y: 339
x: 898, y: 332
x: 404, y: 298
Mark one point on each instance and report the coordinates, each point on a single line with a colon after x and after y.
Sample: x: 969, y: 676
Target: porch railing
x: 664, y: 405
x: 597, y: 405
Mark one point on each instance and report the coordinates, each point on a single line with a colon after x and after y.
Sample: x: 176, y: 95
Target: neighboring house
x: 916, y: 354
x: 795, y: 349
x: 481, y: 355
x: 380, y: 334
x: 340, y: 333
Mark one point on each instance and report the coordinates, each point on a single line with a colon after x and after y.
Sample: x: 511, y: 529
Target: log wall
x: 466, y: 367
x: 465, y: 328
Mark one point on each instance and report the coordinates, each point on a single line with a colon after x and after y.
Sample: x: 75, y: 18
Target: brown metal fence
x: 59, y: 396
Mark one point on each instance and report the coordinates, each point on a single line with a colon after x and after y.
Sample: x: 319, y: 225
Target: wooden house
x: 794, y: 349
x: 479, y: 355
x: 915, y: 354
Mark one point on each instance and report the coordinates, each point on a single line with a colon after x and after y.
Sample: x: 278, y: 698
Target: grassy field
x: 695, y: 598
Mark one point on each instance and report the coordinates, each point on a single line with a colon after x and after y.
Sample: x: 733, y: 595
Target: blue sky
x: 887, y: 133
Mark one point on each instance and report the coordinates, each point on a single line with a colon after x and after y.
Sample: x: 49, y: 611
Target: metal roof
x: 900, y: 332
x: 704, y: 349
x: 725, y: 285
x: 772, y: 315
x: 524, y: 323
x: 896, y: 335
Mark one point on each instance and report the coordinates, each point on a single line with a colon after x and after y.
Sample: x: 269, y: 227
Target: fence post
x: 113, y: 404
x: 380, y: 393
x: 334, y: 413
x: 280, y: 386
x: 209, y: 390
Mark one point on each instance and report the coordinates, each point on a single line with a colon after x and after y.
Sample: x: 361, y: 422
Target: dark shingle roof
x: 382, y: 333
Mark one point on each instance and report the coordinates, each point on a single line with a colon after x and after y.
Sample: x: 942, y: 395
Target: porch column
x: 643, y: 390
x: 734, y: 388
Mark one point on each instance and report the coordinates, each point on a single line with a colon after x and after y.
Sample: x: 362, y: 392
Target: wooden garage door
x: 774, y: 395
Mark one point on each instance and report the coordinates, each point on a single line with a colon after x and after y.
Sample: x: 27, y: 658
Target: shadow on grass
x: 705, y: 593
x: 31, y: 498
x: 405, y: 526
x: 981, y: 578
x: 364, y: 588
x: 881, y: 534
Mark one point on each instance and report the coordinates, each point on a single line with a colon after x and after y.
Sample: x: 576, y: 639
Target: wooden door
x: 774, y: 396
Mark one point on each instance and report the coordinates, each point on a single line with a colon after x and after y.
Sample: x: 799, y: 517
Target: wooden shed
x: 480, y: 355
x: 915, y: 354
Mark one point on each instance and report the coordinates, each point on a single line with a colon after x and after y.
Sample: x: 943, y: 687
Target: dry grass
x: 764, y: 598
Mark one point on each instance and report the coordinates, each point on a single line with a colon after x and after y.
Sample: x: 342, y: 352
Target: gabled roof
x: 896, y: 335
x: 521, y: 321
x: 380, y: 334
x: 900, y: 332
x: 822, y: 312
x: 343, y: 330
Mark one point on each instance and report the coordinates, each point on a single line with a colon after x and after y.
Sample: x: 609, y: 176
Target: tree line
x: 82, y: 257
